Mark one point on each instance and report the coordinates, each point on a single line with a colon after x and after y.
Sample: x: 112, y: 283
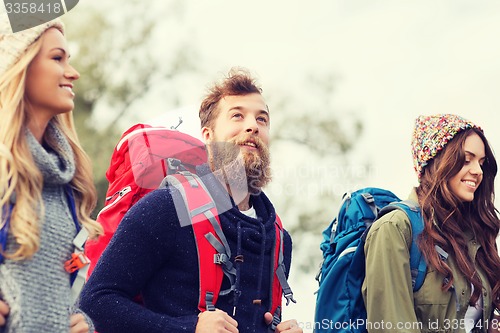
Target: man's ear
x: 207, y: 134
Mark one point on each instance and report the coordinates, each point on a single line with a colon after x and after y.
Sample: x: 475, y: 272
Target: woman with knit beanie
x: 456, y: 169
x: 42, y: 170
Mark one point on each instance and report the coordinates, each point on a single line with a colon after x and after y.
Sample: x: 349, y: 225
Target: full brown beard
x: 242, y: 170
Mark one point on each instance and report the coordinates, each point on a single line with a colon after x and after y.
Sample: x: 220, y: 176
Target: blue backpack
x: 339, y: 303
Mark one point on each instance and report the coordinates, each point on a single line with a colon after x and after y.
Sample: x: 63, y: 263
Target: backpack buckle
x: 77, y: 261
x: 220, y: 258
x: 369, y: 199
x: 289, y: 296
x: 276, y: 319
x: 209, y: 299
x: 173, y: 165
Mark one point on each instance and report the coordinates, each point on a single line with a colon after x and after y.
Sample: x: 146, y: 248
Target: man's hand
x: 289, y: 326
x: 77, y: 324
x: 4, y: 312
x: 216, y: 321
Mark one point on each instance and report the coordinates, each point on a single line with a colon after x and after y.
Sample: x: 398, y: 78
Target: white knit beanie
x: 13, y: 45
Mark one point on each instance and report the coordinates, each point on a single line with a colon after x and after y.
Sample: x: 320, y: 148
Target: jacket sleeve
x: 140, y: 246
x: 387, y: 288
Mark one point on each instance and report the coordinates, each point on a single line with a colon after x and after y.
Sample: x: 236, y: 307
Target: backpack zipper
x: 119, y: 195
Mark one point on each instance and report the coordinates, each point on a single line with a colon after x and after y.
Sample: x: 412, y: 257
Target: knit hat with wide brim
x: 432, y: 133
x: 13, y: 45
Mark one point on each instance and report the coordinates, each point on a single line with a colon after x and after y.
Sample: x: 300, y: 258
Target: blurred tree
x: 113, y: 55
x: 309, y: 184
x: 310, y: 119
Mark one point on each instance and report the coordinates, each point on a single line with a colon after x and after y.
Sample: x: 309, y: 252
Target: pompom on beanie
x: 432, y: 133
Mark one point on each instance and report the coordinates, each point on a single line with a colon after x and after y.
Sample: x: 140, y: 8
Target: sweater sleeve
x: 141, y: 245
x: 87, y: 318
x: 387, y: 288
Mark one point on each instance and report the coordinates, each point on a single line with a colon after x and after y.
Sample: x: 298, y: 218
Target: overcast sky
x: 393, y: 61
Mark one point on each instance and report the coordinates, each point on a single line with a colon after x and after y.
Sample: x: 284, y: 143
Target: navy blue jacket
x: 152, y: 255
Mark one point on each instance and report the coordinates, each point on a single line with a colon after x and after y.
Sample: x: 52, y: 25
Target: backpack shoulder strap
x: 280, y: 286
x: 212, y: 246
x: 5, y: 223
x: 213, y: 249
x: 78, y: 265
x: 418, y: 265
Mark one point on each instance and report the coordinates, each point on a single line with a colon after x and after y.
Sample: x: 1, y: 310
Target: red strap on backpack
x: 201, y: 208
x: 277, y: 290
x: 210, y: 274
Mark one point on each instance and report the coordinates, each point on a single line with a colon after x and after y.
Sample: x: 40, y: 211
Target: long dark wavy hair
x: 447, y: 217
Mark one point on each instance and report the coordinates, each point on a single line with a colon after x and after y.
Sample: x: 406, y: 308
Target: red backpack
x: 147, y: 158
x: 141, y: 159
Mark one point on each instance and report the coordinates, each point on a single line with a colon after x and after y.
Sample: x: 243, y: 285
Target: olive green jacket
x: 387, y: 289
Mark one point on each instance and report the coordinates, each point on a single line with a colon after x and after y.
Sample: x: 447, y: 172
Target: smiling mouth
x: 470, y: 183
x: 68, y: 88
x: 249, y: 144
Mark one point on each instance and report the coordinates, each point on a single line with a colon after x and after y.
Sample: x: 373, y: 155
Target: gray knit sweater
x: 38, y: 290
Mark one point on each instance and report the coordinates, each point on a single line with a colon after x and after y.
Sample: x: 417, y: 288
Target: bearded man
x: 154, y: 253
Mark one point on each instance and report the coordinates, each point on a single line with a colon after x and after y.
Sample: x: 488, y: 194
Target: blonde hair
x: 20, y: 176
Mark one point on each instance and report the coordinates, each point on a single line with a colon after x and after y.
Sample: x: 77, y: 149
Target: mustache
x: 259, y: 143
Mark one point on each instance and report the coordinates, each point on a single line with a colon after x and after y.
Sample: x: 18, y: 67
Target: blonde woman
x: 40, y: 162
